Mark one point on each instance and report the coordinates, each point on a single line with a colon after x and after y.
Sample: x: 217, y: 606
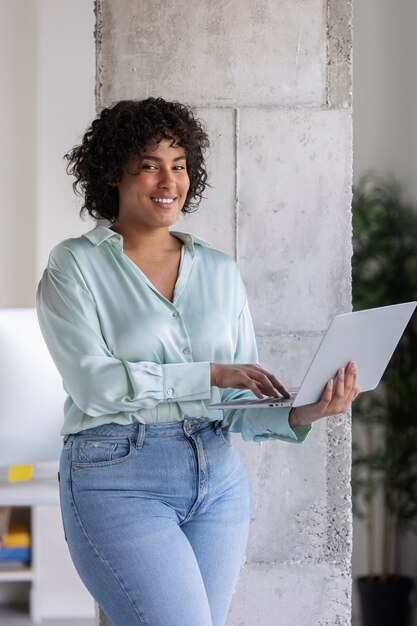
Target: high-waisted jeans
x: 156, y: 518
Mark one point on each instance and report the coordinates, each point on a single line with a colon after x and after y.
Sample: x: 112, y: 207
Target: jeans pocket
x: 97, y: 452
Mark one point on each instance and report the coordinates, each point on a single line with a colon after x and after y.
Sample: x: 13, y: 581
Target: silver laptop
x: 367, y: 337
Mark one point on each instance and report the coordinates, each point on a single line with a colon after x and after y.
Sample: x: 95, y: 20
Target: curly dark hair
x: 126, y: 129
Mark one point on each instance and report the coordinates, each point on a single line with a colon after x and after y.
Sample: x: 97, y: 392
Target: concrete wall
x: 272, y: 81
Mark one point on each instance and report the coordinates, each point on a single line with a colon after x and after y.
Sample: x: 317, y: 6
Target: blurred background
x: 384, y: 142
x: 47, y: 60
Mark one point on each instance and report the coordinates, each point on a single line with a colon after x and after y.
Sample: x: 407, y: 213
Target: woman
x: 147, y: 327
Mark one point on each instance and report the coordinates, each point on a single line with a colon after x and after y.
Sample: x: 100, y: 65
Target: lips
x: 166, y: 202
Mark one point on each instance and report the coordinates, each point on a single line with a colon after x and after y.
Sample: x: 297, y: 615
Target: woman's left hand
x: 336, y: 398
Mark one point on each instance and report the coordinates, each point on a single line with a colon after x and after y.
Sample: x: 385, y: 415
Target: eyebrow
x: 154, y: 158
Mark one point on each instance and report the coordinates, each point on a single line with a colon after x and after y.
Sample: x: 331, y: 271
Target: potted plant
x: 384, y: 271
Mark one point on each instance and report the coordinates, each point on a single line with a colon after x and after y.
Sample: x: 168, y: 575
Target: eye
x: 180, y: 167
x: 149, y: 166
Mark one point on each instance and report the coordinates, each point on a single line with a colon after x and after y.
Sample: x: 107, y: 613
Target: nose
x: 166, y: 178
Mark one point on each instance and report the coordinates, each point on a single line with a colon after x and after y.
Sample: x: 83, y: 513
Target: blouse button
x: 175, y: 314
x: 169, y: 392
x: 186, y: 351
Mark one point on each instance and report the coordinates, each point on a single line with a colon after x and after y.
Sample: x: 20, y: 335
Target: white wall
x: 18, y: 164
x: 47, y: 65
x: 66, y: 106
x: 385, y: 87
x: 47, y: 62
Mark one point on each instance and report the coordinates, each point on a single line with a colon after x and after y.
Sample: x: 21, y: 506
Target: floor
x: 20, y: 617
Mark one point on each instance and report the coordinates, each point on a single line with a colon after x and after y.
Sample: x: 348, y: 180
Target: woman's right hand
x: 251, y: 376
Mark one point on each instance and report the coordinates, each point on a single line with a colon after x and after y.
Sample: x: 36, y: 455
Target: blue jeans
x: 156, y: 518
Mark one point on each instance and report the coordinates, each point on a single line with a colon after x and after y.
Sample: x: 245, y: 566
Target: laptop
x: 368, y: 337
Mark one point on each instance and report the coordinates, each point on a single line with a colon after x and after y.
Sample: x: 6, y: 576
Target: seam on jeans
x: 199, y: 452
x: 101, y: 557
x: 208, y: 466
x: 194, y: 454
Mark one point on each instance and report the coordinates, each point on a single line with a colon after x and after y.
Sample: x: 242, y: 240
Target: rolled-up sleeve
x: 98, y: 382
x: 256, y: 424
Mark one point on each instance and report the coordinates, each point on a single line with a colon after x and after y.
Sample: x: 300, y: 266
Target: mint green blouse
x: 127, y: 354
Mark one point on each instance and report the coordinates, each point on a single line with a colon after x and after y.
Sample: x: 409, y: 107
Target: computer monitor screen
x: 31, y: 392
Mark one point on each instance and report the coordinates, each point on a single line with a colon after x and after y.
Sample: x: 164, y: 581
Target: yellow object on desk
x: 19, y: 472
x: 17, y: 536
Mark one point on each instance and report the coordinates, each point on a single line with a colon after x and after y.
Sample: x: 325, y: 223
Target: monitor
x: 31, y: 392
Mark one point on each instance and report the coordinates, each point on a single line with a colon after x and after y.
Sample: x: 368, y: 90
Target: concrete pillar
x: 273, y: 82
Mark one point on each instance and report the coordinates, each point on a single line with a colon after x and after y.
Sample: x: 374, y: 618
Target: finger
x: 350, y: 386
x: 339, y: 389
x: 349, y: 401
x: 327, y: 394
x: 344, y: 407
x: 350, y: 377
x: 251, y: 384
x: 276, y: 383
x: 260, y: 377
x: 265, y: 384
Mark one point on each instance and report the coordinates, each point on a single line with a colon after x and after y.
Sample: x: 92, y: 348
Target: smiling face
x: 152, y: 192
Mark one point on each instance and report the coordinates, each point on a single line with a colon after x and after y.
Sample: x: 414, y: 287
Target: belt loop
x: 217, y: 427
x: 141, y: 435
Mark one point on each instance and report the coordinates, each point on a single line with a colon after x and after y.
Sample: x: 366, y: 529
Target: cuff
x: 266, y: 424
x: 186, y: 381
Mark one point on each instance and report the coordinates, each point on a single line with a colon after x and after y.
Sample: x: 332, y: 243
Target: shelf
x: 29, y: 493
x: 16, y: 574
x: 52, y: 585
